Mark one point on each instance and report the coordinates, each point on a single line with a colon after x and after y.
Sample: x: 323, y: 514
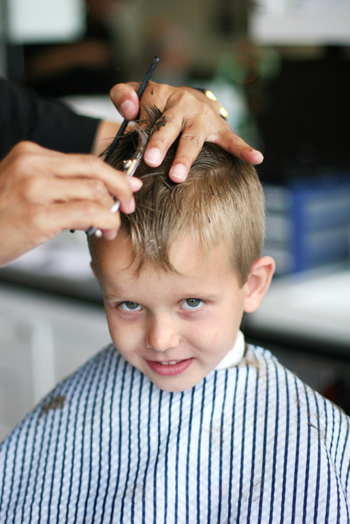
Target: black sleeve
x: 26, y: 116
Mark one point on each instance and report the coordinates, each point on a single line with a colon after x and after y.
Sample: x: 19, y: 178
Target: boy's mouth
x: 169, y: 368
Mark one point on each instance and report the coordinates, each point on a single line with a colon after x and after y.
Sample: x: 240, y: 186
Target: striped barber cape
x: 251, y: 443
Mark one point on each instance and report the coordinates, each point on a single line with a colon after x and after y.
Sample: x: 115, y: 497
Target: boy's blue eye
x: 130, y: 306
x: 192, y: 303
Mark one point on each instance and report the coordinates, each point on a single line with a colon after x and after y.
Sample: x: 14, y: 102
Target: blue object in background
x: 308, y: 222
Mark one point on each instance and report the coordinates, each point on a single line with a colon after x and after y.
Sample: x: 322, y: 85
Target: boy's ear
x: 258, y: 283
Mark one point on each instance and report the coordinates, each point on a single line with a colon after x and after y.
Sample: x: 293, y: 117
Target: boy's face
x: 175, y: 328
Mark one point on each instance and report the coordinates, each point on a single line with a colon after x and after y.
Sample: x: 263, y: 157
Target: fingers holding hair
x: 189, y: 113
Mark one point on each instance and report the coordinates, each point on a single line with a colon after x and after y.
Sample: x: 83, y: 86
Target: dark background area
x: 304, y: 125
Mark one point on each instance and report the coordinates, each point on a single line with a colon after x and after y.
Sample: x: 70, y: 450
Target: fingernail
x: 153, y: 157
x: 128, y: 109
x: 258, y: 156
x: 135, y: 183
x: 178, y: 173
x: 130, y: 206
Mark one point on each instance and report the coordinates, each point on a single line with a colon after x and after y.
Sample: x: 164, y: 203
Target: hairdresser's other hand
x: 188, y: 112
x: 43, y: 192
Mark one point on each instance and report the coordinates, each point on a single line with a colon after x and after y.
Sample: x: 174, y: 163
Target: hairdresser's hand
x: 188, y: 112
x: 43, y: 192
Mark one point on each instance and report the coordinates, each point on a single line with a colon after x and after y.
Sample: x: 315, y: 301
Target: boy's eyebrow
x: 110, y: 297
x: 200, y: 294
x: 113, y: 296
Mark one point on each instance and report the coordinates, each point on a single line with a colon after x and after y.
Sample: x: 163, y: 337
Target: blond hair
x: 221, y: 201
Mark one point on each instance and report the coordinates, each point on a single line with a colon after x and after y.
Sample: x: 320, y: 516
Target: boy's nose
x: 162, y: 334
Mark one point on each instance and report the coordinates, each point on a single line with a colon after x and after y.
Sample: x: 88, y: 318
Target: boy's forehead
x: 187, y: 256
x: 115, y: 252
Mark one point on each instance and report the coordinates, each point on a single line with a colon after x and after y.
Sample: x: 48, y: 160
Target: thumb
x: 124, y: 97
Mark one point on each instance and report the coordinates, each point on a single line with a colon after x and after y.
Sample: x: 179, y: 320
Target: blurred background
x: 281, y: 68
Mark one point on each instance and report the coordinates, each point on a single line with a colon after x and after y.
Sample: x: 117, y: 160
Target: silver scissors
x: 129, y: 168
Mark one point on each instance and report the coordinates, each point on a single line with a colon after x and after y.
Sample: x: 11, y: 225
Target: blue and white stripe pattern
x: 248, y: 444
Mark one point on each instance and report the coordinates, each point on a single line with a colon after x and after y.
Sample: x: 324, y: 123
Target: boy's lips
x: 169, y: 368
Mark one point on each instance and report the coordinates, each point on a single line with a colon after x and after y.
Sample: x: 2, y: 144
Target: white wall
x: 42, y: 340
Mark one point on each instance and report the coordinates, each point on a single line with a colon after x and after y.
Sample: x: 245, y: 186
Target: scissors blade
x: 130, y: 166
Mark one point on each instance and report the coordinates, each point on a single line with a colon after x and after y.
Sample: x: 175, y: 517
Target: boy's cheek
x: 124, y: 344
x: 126, y: 337
x: 116, y: 330
x: 215, y: 329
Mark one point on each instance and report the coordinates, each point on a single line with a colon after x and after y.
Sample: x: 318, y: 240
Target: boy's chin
x: 174, y: 386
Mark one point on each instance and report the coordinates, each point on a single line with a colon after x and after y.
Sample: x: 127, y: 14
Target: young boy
x: 179, y: 420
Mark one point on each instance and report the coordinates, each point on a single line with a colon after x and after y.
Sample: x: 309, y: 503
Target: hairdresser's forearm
x: 105, y: 133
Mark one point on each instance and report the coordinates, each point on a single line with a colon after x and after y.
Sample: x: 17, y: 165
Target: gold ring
x: 222, y: 110
x: 210, y: 94
x: 223, y: 113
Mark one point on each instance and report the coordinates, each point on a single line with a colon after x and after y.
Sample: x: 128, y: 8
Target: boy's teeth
x: 170, y: 362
